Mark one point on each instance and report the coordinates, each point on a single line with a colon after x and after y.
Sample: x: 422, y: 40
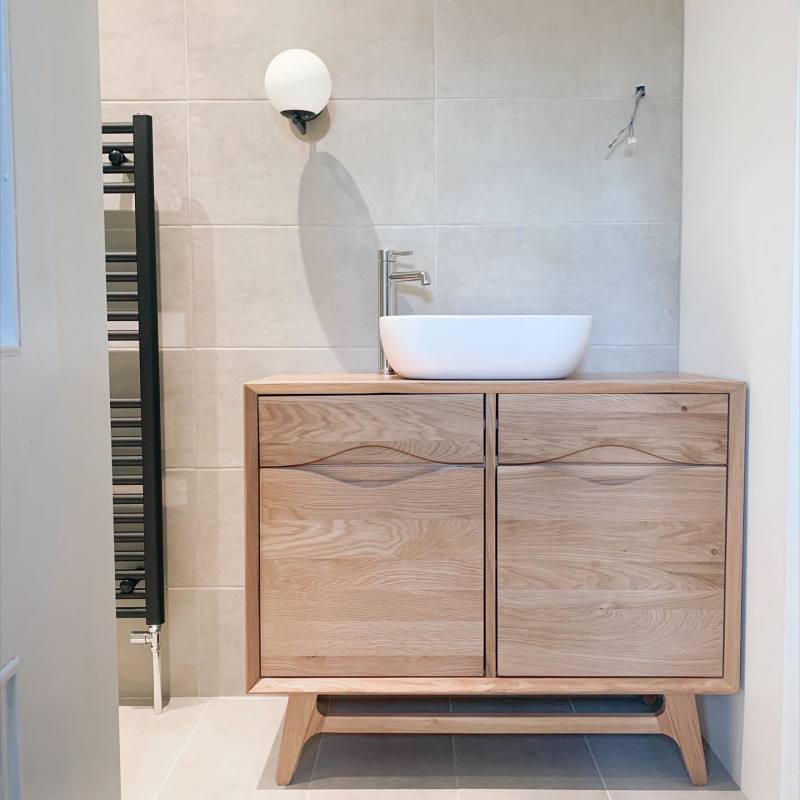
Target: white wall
x: 56, y: 558
x: 737, y: 295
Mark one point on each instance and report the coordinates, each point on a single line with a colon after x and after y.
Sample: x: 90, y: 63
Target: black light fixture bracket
x: 300, y: 119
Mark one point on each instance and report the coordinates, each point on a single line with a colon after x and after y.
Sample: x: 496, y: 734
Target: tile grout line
x: 591, y: 753
x: 181, y: 751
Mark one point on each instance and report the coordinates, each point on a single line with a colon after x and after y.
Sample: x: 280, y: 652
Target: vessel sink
x: 477, y: 347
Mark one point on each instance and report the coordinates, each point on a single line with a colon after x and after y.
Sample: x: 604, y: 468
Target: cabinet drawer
x: 371, y: 571
x: 620, y: 428
x: 371, y: 429
x: 611, y: 571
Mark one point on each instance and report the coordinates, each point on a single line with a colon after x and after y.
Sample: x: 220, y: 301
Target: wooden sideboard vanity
x: 580, y: 536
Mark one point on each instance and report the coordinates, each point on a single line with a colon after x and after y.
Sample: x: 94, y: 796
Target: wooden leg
x: 678, y: 720
x: 301, y: 721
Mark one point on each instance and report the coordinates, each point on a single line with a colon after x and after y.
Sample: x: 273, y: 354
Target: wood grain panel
x: 621, y: 428
x: 611, y: 570
x: 370, y: 430
x: 372, y: 570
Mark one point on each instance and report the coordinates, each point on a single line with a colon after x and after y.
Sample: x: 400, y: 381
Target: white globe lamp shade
x: 298, y: 84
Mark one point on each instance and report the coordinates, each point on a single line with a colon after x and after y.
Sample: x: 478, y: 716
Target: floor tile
x: 611, y: 704
x: 150, y: 743
x: 532, y: 794
x: 688, y: 794
x: 389, y: 705
x: 525, y: 762
x: 384, y: 794
x: 511, y: 705
x: 356, y: 761
x: 651, y: 762
x: 232, y: 754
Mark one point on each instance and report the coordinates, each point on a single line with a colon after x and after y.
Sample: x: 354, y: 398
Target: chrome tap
x: 387, y: 294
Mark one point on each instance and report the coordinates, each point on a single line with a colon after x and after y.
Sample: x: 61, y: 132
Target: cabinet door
x: 611, y: 570
x: 371, y: 570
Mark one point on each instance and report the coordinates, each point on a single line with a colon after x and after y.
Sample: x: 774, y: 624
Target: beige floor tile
x: 150, y: 744
x: 232, y: 754
x: 698, y: 793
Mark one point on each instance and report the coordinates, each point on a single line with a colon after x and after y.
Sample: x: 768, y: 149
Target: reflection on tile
x: 650, y: 762
x: 610, y: 704
x: 170, y: 163
x: 525, y: 762
x: 364, y: 163
x: 276, y: 287
x: 220, y: 527
x: 624, y: 275
x: 220, y: 378
x: 388, y: 761
x: 571, y: 48
x: 629, y: 358
x: 180, y: 529
x: 228, y: 752
x: 142, y: 50
x: 543, y: 160
x: 220, y: 648
x: 351, y: 38
x: 353, y: 704
x: 150, y: 744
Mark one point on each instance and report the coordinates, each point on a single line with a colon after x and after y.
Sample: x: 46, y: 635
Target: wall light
x: 298, y: 84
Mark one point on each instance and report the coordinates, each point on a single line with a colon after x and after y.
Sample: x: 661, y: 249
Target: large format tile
x: 388, y: 761
x: 525, y: 762
x: 178, y: 405
x: 220, y: 527
x: 232, y: 754
x: 220, y: 642
x: 695, y: 793
x: 536, y: 794
x: 524, y: 161
x: 180, y: 527
x: 150, y: 744
x: 142, y: 50
x: 373, y: 48
x: 509, y: 704
x: 650, y: 763
x: 363, y: 163
x: 630, y: 358
x: 170, y: 162
x: 288, y: 287
x: 220, y: 378
x: 181, y: 636
x: 626, y: 276
x: 569, y: 48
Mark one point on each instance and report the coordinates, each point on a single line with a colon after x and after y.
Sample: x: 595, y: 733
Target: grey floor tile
x: 525, y: 762
x: 389, y: 705
x: 386, y: 761
x: 651, y: 762
x: 611, y: 704
x: 499, y: 704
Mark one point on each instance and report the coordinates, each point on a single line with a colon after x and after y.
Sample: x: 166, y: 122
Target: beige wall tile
x: 520, y: 161
x: 220, y: 527
x: 220, y: 647
x: 568, y: 48
x: 142, y: 50
x: 182, y: 642
x: 363, y: 163
x: 221, y: 375
x: 626, y: 276
x: 277, y: 287
x: 373, y: 48
x: 180, y: 526
x: 170, y: 163
x: 178, y: 407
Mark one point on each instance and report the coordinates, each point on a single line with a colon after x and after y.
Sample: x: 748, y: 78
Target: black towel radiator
x: 132, y: 299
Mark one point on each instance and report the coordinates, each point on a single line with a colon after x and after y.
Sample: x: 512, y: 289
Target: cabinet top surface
x: 589, y: 383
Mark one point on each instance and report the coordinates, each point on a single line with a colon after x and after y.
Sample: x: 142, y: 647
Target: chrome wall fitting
x: 152, y: 636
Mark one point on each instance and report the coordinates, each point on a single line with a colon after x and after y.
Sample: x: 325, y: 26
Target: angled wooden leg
x: 678, y: 720
x: 301, y: 721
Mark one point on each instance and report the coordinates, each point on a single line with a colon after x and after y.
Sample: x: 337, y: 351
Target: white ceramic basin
x: 485, y: 347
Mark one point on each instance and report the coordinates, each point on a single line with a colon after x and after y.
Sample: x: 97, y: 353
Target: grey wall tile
x: 170, y: 163
x: 220, y: 527
x: 221, y: 374
x: 647, y: 358
x: 363, y: 163
x: 544, y: 160
x: 180, y: 527
x: 286, y: 287
x: 373, y: 48
x: 142, y: 50
x: 624, y: 275
x: 566, y: 48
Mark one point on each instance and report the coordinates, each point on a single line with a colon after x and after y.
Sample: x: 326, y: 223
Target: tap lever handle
x: 388, y: 256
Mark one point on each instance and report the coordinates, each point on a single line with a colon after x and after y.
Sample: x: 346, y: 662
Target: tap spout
x: 421, y: 276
